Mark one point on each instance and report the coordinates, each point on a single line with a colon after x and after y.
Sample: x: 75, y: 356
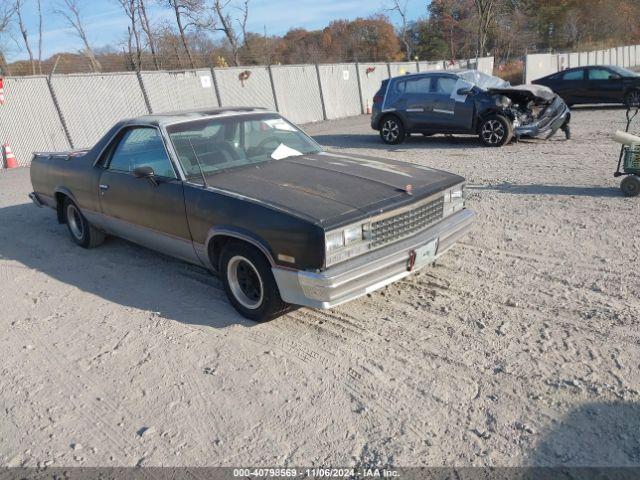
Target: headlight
x: 334, y: 241
x: 346, y: 243
x: 456, y: 192
x: 453, y: 200
x: 352, y: 234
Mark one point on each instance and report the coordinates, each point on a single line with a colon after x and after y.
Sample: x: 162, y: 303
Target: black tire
x: 81, y: 231
x: 249, y: 283
x: 630, y: 186
x: 392, y: 131
x: 495, y: 131
x: 632, y: 98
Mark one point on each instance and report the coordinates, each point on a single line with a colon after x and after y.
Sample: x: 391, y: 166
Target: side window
x: 599, y: 74
x: 141, y: 147
x: 418, y: 85
x: 444, y: 85
x: 574, y: 75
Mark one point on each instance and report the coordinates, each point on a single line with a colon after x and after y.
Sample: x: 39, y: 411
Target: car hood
x: 331, y: 188
x: 526, y: 93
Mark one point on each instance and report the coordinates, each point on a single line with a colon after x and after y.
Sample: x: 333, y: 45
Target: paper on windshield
x: 284, y: 152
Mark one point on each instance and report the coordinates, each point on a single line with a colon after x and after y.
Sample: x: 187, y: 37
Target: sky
x: 106, y: 24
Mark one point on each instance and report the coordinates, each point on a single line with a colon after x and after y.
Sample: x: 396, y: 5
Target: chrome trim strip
x: 162, y: 242
x: 448, y: 112
x: 367, y: 273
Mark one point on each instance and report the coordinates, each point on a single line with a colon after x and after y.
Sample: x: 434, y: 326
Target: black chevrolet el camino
x: 245, y: 193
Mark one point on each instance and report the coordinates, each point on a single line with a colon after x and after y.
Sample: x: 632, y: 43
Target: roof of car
x: 167, y: 118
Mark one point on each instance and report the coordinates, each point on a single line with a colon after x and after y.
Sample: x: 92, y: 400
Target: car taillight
x: 377, y: 98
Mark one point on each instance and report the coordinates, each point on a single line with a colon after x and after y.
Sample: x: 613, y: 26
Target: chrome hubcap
x: 245, y: 282
x: 634, y: 99
x: 390, y: 130
x: 493, y: 132
x: 75, y: 222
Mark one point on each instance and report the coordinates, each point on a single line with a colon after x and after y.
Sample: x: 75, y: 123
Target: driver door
x: 147, y: 211
x: 603, y: 85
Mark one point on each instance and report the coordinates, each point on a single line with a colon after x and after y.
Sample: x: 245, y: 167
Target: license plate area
x: 423, y: 255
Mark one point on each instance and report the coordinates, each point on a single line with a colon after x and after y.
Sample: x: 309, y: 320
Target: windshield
x: 222, y: 143
x: 482, y: 80
x: 624, y: 72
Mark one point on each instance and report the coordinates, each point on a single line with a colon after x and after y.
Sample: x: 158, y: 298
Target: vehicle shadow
x: 592, y: 435
x: 356, y: 140
x: 117, y: 271
x: 540, y: 189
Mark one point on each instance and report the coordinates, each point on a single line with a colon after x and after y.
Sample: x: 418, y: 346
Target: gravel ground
x: 521, y: 347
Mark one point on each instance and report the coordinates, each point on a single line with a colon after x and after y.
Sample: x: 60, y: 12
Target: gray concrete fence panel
x: 91, y: 104
x: 340, y: 90
x: 29, y: 121
x: 371, y: 77
x: 173, y: 91
x: 245, y: 90
x: 298, y: 92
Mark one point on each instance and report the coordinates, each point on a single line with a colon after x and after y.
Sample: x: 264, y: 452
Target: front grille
x: 405, y: 224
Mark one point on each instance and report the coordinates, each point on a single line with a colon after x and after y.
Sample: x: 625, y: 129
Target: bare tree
x: 131, y: 9
x: 225, y: 23
x: 148, y: 31
x: 486, y: 13
x: 399, y: 7
x: 70, y: 11
x: 187, y: 13
x: 40, y: 37
x: 17, y: 7
x: 6, y: 14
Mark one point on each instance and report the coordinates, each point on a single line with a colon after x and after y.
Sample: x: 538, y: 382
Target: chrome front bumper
x: 367, y: 273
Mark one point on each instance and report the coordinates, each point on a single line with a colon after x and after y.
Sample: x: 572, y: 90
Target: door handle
x: 104, y: 188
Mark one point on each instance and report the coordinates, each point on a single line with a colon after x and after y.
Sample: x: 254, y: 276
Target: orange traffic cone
x: 1, y: 91
x: 9, y: 157
x: 368, y: 108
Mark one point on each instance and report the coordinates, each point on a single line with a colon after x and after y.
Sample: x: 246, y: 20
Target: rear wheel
x: 392, y: 131
x: 82, y: 232
x: 249, y: 283
x: 632, y: 99
x: 496, y: 131
x: 630, y: 186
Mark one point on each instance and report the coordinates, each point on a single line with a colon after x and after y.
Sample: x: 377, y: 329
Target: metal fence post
x: 215, y: 85
x: 324, y: 107
x: 273, y: 88
x: 417, y: 66
x: 144, y: 92
x: 389, y: 69
x: 59, y: 110
x: 360, y: 92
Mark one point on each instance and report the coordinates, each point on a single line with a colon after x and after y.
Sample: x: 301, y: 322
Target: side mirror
x: 145, y: 172
x: 463, y: 92
x: 614, y: 76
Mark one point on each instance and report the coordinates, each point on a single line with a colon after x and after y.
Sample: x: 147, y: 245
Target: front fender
x: 240, y: 234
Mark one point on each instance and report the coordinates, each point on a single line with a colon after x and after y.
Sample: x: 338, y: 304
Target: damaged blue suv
x: 469, y: 103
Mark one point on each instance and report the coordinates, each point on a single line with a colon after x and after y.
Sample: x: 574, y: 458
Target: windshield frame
x: 170, y: 128
x: 624, y: 72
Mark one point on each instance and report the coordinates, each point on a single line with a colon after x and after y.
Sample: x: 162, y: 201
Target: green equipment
x: 629, y: 161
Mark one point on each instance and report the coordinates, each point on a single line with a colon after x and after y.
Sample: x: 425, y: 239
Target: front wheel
x: 632, y: 99
x: 392, y: 131
x: 630, y: 186
x: 249, y: 283
x: 82, y: 232
x: 496, y: 131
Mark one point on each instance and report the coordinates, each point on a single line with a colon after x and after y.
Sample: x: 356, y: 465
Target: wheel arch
x: 61, y: 194
x: 219, y: 236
